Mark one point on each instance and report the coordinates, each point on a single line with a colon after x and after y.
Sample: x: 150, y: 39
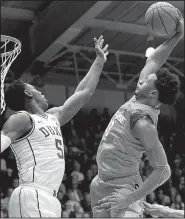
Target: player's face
x: 147, y: 88
x: 38, y: 97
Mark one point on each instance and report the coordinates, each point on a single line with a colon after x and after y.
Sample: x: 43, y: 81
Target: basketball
x: 161, y: 19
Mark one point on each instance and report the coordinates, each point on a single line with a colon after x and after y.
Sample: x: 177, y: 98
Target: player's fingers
x: 146, y: 205
x: 114, y: 194
x: 103, y: 200
x: 101, y: 43
x: 105, y: 48
x: 106, y: 205
x: 99, y: 39
x: 95, y: 41
x: 106, y: 54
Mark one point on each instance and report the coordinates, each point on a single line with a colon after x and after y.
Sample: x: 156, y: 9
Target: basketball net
x: 10, y: 48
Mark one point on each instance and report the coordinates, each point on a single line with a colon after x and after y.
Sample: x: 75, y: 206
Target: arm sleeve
x: 161, y: 173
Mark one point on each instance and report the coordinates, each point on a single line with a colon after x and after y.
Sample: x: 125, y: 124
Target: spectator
x: 3, y: 165
x: 179, y: 205
x: 173, y: 193
x: 76, y: 167
x: 151, y: 198
x: 79, y: 211
x: 85, y: 163
x: 15, y: 183
x: 182, y: 188
x: 65, y: 214
x: 4, y: 213
x: 86, y: 202
x: 85, y: 186
x: 94, y: 169
x: 166, y: 200
x: 86, y: 215
x: 62, y: 195
x: 160, y: 196
x: 69, y: 206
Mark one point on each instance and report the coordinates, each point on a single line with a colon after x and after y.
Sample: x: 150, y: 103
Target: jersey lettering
x: 50, y: 131
x: 44, y: 131
x: 108, y: 129
x: 120, y: 118
x: 58, y: 144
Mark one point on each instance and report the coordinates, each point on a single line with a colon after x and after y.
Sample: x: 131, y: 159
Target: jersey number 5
x: 58, y: 144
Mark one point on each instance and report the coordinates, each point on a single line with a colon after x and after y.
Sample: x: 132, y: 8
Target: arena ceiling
x: 57, y: 38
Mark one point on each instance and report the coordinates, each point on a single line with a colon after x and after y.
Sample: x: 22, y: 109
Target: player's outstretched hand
x: 151, y: 209
x: 180, y: 24
x: 116, y: 203
x: 101, y: 52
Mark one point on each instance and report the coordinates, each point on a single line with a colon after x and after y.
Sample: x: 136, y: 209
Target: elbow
x: 89, y: 93
x: 166, y: 172
x: 164, y: 175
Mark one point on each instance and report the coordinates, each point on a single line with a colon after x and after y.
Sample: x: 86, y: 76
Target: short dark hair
x: 15, y: 96
x: 168, y: 85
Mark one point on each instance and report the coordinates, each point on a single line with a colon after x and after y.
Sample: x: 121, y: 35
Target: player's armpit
x: 72, y: 105
x: 16, y: 126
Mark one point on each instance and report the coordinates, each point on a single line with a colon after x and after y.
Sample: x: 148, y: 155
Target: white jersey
x: 40, y: 154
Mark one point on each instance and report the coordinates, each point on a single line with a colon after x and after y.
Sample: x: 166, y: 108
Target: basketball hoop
x: 10, y: 48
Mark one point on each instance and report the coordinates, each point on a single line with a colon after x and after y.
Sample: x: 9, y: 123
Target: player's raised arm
x: 16, y: 126
x: 162, y: 52
x: 146, y: 132
x: 86, y: 87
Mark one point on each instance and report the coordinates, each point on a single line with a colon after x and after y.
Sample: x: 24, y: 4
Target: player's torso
x: 40, y: 154
x: 119, y: 153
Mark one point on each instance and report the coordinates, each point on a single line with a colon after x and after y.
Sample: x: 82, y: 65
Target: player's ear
x: 154, y: 93
x: 28, y: 94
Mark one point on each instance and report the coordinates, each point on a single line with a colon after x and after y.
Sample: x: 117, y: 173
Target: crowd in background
x: 81, y: 139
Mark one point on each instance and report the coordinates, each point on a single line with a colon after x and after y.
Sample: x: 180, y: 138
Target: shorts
x: 100, y: 189
x: 33, y: 201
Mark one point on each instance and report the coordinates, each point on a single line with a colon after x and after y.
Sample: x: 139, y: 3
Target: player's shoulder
x: 144, y: 125
x: 54, y: 117
x: 18, y: 121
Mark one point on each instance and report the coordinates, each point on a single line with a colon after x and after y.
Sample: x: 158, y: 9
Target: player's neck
x: 35, y: 109
x: 153, y: 104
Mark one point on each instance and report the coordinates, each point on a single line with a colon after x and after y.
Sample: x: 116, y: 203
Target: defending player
x: 133, y: 131
x: 36, y: 140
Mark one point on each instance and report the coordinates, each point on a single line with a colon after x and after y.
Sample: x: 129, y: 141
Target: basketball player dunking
x: 131, y: 132
x: 34, y: 135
